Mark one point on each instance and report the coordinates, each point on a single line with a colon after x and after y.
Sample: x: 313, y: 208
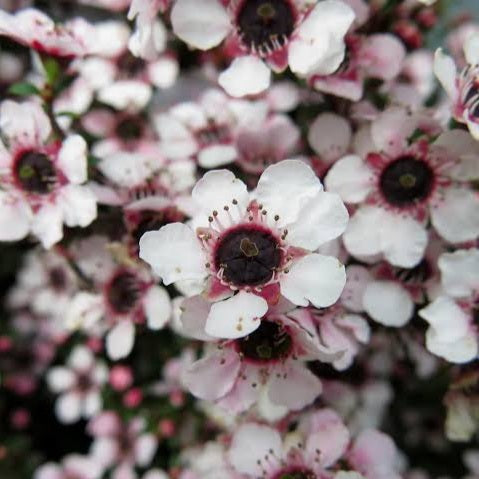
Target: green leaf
x: 23, y: 89
x: 52, y: 70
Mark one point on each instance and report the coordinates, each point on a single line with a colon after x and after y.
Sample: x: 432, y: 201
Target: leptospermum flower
x: 253, y: 247
x: 272, y: 358
x: 36, y: 30
x: 462, y: 88
x: 399, y: 185
x: 72, y: 466
x: 307, y: 37
x: 453, y: 330
x: 42, y: 181
x: 79, y: 385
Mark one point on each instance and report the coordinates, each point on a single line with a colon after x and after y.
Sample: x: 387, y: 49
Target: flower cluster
x: 240, y: 239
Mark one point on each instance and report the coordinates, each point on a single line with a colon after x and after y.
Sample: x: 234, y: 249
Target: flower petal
x: 157, y: 306
x: 460, y: 272
x: 445, y: 70
x: 60, y: 379
x: 15, y: 216
x: 119, y: 340
x: 72, y: 159
x: 68, y: 407
x: 78, y: 205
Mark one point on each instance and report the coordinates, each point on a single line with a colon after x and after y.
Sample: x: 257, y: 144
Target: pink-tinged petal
x: 163, y: 72
x: 124, y: 471
x: 471, y: 49
x: 459, y: 351
x: 49, y: 470
x: 446, y: 72
x: 92, y: 404
x: 148, y: 42
x: 24, y: 123
x: 460, y: 272
x: 246, y: 75
x: 105, y: 424
x: 15, y: 217
x: 284, y: 188
x: 322, y: 219
x: 214, y: 376
x: 47, y: 224
x: 314, y: 278
x: 84, y: 310
x: 68, y: 408
x: 217, y: 155
x: 351, y: 178
x: 174, y: 253
x: 473, y: 126
x: 295, y: 387
x: 358, y: 278
x: 120, y: 339
x: 60, y: 379
x: 129, y: 95
x: 330, y: 136
x: 84, y: 466
x: 78, y: 205
x: 456, y: 218
x: 236, y: 317
x: 157, y: 306
x: 145, y: 448
x: 202, y: 28
x: 72, y: 159
x: 194, y: 312
x: 251, y: 445
x: 100, y: 122
x: 388, y: 303
x: 329, y: 435
x: 384, y: 55
x: 81, y: 359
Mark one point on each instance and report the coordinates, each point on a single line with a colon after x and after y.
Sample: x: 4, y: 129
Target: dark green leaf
x: 23, y: 89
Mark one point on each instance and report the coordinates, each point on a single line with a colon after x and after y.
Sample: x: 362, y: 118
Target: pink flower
x: 72, y: 466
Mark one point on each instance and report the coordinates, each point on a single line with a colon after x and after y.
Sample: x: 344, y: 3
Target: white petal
x: 157, y: 306
x: 174, y: 252
x: 351, y: 178
x: 285, y: 187
x: 212, y: 377
x: 296, y: 388
x: 459, y: 351
x: 194, y: 312
x: 126, y: 169
x: 456, y: 218
x: 81, y: 359
x: 250, y: 445
x: 362, y: 236
x: 72, y: 159
x: 60, y: 379
x: 126, y: 95
x: 460, y: 272
x: 15, y: 216
x: 92, y: 404
x: 79, y: 205
x: 322, y: 219
x: 47, y: 225
x: 329, y: 136
x: 68, y: 408
x: 445, y: 70
x: 204, y: 27
x: 388, y: 303
x: 358, y: 277
x: 145, y: 447
x: 471, y: 49
x: 84, y: 310
x: 315, y: 278
x: 119, y: 340
x: 236, y: 317
x: 217, y: 155
x: 246, y: 75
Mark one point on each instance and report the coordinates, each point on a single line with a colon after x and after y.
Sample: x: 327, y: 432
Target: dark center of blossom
x: 124, y: 292
x: 475, y: 315
x: 406, y: 180
x: 130, y: 128
x: 265, y: 25
x: 212, y: 134
x: 131, y: 65
x: 84, y: 383
x: 417, y: 275
x: 153, y: 220
x: 269, y: 342
x: 296, y: 474
x: 248, y: 256
x: 57, y: 278
x: 35, y: 172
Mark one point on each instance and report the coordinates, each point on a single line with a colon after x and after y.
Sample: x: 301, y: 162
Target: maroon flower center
x: 57, y: 278
x: 35, y: 172
x: 131, y: 65
x: 248, y: 255
x: 153, y: 220
x: 296, y: 474
x: 406, y: 181
x: 130, y: 128
x: 212, y: 134
x: 84, y: 382
x: 265, y: 25
x: 270, y: 342
x: 124, y: 292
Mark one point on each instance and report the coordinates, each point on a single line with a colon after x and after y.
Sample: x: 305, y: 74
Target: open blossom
x: 462, y: 88
x: 72, y: 466
x: 398, y: 185
x: 253, y: 247
x: 79, y: 385
x: 36, y: 30
x: 453, y: 328
x: 307, y: 37
x: 41, y: 180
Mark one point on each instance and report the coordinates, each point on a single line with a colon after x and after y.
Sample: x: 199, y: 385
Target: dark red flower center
x: 406, y: 180
x: 131, y: 65
x: 35, y: 172
x: 271, y: 341
x: 248, y: 255
x: 124, y: 292
x: 296, y: 474
x: 213, y: 133
x: 57, y: 278
x: 265, y: 25
x: 130, y: 128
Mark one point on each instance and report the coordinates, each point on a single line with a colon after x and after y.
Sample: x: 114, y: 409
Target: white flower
x: 308, y: 38
x: 257, y: 245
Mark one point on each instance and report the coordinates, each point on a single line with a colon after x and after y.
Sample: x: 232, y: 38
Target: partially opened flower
x: 79, y: 385
x: 42, y: 181
x: 252, y: 247
x: 399, y: 184
x: 462, y: 88
x: 307, y: 37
